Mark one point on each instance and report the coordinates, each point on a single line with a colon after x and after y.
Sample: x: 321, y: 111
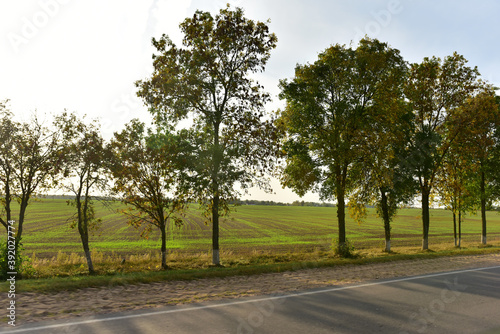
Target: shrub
x: 346, y: 250
x: 22, y: 263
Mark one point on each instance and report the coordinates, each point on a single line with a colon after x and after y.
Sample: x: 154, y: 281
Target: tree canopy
x: 146, y: 172
x: 330, y: 106
x: 436, y: 89
x: 210, y: 80
x: 86, y: 159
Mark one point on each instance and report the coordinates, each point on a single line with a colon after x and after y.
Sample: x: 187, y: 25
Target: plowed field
x: 249, y: 228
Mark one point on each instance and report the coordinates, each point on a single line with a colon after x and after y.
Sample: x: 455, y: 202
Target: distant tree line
x: 294, y: 203
x: 361, y: 127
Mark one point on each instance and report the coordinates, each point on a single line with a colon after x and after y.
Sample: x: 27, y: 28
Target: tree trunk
x: 86, y: 250
x: 215, y: 231
x: 8, y: 200
x: 22, y: 213
x: 340, y: 175
x: 83, y: 228
x: 387, y: 222
x: 163, y: 247
x: 455, y: 227
x: 215, y: 223
x: 341, y: 220
x: 217, y: 158
x: 459, y: 228
x: 89, y: 261
x: 483, y: 208
x: 425, y: 218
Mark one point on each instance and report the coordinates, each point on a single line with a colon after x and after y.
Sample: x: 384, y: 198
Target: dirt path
x: 37, y: 306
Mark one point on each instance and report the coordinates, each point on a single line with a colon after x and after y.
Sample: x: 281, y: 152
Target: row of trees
x: 361, y: 126
x: 137, y: 166
x: 364, y: 126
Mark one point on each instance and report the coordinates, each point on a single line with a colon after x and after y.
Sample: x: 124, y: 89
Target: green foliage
x: 147, y: 170
x: 23, y: 265
x: 31, y: 157
x: 3, y: 261
x: 339, y: 111
x: 436, y: 90
x: 330, y: 105
x: 209, y: 79
x: 86, y: 161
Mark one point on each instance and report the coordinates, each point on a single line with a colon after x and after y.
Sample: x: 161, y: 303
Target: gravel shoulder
x: 32, y: 307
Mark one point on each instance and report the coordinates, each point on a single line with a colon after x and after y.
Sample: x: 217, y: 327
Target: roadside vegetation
x: 256, y: 239
x: 361, y: 127
x: 67, y: 272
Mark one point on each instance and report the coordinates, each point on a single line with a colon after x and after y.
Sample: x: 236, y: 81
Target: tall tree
x: 436, y: 89
x: 483, y: 124
x: 86, y: 159
x: 386, y: 183
x: 495, y: 159
x: 146, y: 170
x: 327, y: 115
x: 453, y: 183
x: 210, y: 80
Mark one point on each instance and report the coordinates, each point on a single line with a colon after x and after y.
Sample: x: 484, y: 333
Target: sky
x: 84, y: 56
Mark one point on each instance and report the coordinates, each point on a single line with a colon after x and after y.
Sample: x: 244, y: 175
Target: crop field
x: 249, y: 228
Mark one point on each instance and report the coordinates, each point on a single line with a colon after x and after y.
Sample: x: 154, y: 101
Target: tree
x: 386, y: 183
x: 209, y: 79
x: 494, y: 185
x: 146, y: 170
x: 85, y: 165
x: 482, y: 129
x: 329, y: 105
x: 31, y: 164
x: 436, y: 89
x: 30, y: 159
x: 8, y: 129
x: 453, y: 183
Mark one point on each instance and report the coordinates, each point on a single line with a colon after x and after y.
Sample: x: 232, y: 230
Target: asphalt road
x: 455, y: 302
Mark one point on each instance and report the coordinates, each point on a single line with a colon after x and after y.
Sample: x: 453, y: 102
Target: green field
x: 248, y: 229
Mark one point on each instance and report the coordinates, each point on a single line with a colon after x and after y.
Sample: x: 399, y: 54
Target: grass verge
x: 257, y: 264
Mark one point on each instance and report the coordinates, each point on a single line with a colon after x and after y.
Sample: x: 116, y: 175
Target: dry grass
x: 63, y: 264
x: 68, y: 271
x: 72, y: 264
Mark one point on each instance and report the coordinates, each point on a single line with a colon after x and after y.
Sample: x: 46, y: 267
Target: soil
x: 32, y: 307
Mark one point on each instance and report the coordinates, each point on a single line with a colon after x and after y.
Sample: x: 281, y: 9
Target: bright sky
x: 85, y: 55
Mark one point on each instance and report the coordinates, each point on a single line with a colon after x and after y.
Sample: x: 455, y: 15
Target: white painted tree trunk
x: 388, y: 246
x: 164, y: 259
x: 215, y: 257
x: 483, y: 239
x: 89, y: 261
x: 425, y: 244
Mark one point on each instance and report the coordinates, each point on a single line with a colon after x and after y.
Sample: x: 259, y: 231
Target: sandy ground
x: 32, y: 307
